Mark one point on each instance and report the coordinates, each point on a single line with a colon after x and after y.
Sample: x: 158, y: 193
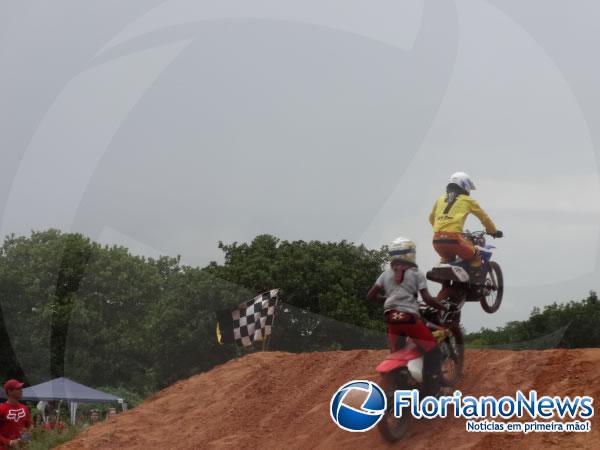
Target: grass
x: 47, y: 439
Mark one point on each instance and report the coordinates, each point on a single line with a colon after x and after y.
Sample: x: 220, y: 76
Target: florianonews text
x: 506, y: 407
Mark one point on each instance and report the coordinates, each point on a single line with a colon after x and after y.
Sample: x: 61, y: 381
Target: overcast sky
x: 167, y: 126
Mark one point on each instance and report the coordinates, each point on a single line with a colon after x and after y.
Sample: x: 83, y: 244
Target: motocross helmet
x: 402, y: 249
x: 463, y: 180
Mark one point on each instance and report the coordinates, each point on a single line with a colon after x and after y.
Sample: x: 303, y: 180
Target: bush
x: 47, y: 439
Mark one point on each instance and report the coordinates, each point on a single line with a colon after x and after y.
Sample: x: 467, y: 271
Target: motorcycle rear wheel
x: 493, y: 289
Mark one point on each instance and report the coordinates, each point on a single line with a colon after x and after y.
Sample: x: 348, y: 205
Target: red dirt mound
x: 281, y: 400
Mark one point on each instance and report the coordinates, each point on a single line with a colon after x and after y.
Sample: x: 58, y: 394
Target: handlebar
x: 443, y: 318
x: 450, y: 307
x: 477, y: 234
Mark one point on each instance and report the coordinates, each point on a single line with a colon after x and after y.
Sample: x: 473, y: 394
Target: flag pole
x: 268, y: 338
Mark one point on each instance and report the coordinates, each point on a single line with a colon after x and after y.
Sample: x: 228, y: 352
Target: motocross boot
x: 477, y: 275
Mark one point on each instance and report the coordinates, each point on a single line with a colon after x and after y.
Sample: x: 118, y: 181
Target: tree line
x: 103, y: 317
x: 567, y: 325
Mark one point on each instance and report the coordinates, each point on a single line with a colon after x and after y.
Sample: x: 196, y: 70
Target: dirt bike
x: 403, y: 369
x: 455, y: 279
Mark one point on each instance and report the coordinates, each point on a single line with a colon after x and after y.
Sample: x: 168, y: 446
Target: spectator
x: 14, y: 416
x: 112, y: 412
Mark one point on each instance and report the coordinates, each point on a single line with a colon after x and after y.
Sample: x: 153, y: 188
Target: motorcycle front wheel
x: 493, y: 289
x: 391, y: 428
x: 453, y: 351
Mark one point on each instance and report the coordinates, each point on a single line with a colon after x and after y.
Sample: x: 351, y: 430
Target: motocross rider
x: 448, y: 218
x: 400, y: 286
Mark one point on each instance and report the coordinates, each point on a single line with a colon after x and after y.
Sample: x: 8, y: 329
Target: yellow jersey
x: 451, y: 218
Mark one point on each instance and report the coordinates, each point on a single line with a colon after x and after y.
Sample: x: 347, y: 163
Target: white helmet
x: 463, y: 180
x: 402, y: 249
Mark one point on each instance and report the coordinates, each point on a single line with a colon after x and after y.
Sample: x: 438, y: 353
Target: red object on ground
x: 52, y: 425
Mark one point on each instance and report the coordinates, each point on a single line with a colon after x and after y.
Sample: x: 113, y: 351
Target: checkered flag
x: 251, y: 321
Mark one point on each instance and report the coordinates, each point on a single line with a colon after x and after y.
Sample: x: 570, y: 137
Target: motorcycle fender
x: 401, y: 358
x: 415, y: 367
x: 461, y: 274
x: 390, y: 364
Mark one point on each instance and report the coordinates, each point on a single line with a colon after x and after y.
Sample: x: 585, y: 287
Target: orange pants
x: 450, y: 245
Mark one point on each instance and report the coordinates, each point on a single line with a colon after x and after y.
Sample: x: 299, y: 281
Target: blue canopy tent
x: 63, y: 389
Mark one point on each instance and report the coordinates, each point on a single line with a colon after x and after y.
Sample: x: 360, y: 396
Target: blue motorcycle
x: 456, y: 281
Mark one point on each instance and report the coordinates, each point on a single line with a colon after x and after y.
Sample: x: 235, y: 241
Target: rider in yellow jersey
x: 448, y: 218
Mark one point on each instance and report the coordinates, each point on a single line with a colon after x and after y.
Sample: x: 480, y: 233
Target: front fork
x: 454, y: 294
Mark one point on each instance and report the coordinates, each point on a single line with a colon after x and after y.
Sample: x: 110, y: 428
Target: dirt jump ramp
x: 277, y: 400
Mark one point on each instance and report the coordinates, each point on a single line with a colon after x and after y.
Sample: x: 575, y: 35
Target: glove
x: 498, y: 234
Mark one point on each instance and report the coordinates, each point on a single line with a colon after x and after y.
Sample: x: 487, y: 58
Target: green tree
x: 569, y: 325
x: 33, y: 296
x: 104, y: 317
x: 323, y: 286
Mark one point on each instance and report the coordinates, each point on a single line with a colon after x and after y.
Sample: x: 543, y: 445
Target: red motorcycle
x: 403, y: 369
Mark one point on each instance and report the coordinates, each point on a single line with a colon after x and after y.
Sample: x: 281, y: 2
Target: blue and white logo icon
x: 358, y: 405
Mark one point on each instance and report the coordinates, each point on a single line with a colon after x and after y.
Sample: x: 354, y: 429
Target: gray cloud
x: 186, y: 133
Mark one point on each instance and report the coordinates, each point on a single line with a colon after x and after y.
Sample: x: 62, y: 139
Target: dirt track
x: 280, y: 400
